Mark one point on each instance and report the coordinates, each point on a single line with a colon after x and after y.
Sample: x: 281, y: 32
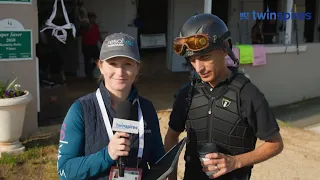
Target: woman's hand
x: 119, y: 145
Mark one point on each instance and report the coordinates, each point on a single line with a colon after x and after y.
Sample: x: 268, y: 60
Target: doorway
x: 154, y: 18
x: 57, y: 63
x: 270, y: 25
x: 309, y: 25
x: 220, y: 9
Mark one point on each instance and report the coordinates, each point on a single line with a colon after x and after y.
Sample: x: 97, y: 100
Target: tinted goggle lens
x: 194, y: 43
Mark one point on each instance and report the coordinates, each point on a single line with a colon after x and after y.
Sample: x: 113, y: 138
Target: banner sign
x: 15, y: 41
x: 15, y: 1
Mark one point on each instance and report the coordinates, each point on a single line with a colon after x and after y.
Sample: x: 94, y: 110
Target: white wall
x: 129, y: 16
x: 288, y: 77
x: 26, y: 70
x: 183, y: 9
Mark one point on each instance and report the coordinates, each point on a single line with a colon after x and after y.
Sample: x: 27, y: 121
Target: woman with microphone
x: 88, y: 147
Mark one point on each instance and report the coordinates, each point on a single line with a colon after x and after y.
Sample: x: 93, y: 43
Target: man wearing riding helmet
x: 222, y: 111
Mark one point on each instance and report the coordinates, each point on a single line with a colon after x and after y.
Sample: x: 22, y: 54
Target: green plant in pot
x: 10, y: 89
x: 13, y: 103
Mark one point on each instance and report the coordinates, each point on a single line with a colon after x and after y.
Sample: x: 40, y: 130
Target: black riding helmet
x: 212, y: 26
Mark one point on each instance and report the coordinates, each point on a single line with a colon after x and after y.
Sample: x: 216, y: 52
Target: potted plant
x: 13, y: 102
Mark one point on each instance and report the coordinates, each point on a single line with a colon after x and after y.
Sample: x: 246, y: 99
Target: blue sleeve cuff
x: 108, y: 158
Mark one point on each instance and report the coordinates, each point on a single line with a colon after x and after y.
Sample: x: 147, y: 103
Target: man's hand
x: 221, y: 162
x: 226, y: 163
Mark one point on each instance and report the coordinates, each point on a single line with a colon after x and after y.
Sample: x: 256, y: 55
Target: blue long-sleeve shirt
x: 73, y: 164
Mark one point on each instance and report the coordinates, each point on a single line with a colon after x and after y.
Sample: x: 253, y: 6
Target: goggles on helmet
x: 195, y: 42
x: 199, y: 42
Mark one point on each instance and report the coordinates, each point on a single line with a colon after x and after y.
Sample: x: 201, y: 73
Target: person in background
x: 256, y: 32
x: 90, y: 38
x: 86, y: 151
x: 269, y: 31
x: 82, y: 20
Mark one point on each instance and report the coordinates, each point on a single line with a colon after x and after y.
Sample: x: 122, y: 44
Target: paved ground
x: 314, y: 128
x: 304, y: 115
x: 299, y: 160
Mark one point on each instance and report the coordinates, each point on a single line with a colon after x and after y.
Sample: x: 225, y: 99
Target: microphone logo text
x: 125, y: 125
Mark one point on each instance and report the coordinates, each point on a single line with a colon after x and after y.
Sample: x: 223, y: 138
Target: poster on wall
x: 152, y: 40
x: 15, y: 41
x: 15, y: 1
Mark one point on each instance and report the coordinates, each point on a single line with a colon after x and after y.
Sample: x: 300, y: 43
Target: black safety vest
x: 216, y: 119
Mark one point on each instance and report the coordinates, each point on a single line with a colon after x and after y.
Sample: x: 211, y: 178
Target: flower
x: 10, y: 89
x: 17, y: 86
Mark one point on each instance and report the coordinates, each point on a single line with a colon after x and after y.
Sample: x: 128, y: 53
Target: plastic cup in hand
x: 210, y: 173
x: 204, y: 150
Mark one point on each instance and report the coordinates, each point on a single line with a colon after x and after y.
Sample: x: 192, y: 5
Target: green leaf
x: 11, y: 84
x: 7, y: 83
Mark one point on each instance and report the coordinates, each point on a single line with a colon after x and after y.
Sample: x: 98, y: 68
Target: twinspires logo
x: 268, y: 15
x: 124, y: 125
x: 119, y: 42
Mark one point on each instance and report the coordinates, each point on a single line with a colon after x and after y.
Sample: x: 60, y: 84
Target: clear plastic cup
x: 204, y: 150
x: 211, y: 172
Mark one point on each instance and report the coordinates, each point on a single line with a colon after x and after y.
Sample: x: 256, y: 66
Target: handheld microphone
x: 125, y: 121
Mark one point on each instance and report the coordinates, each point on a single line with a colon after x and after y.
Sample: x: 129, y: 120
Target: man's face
x: 209, y: 65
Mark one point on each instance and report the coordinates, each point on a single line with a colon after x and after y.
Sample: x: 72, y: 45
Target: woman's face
x: 119, y: 73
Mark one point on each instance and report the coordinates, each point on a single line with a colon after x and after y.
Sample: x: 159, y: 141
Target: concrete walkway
x: 304, y: 115
x: 314, y: 128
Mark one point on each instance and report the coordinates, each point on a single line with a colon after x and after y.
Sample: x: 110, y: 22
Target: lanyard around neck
x: 108, y: 124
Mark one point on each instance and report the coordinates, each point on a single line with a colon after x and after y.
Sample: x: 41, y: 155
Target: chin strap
x: 193, y: 80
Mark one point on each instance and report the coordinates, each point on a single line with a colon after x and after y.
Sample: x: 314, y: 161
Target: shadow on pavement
x: 300, y: 114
